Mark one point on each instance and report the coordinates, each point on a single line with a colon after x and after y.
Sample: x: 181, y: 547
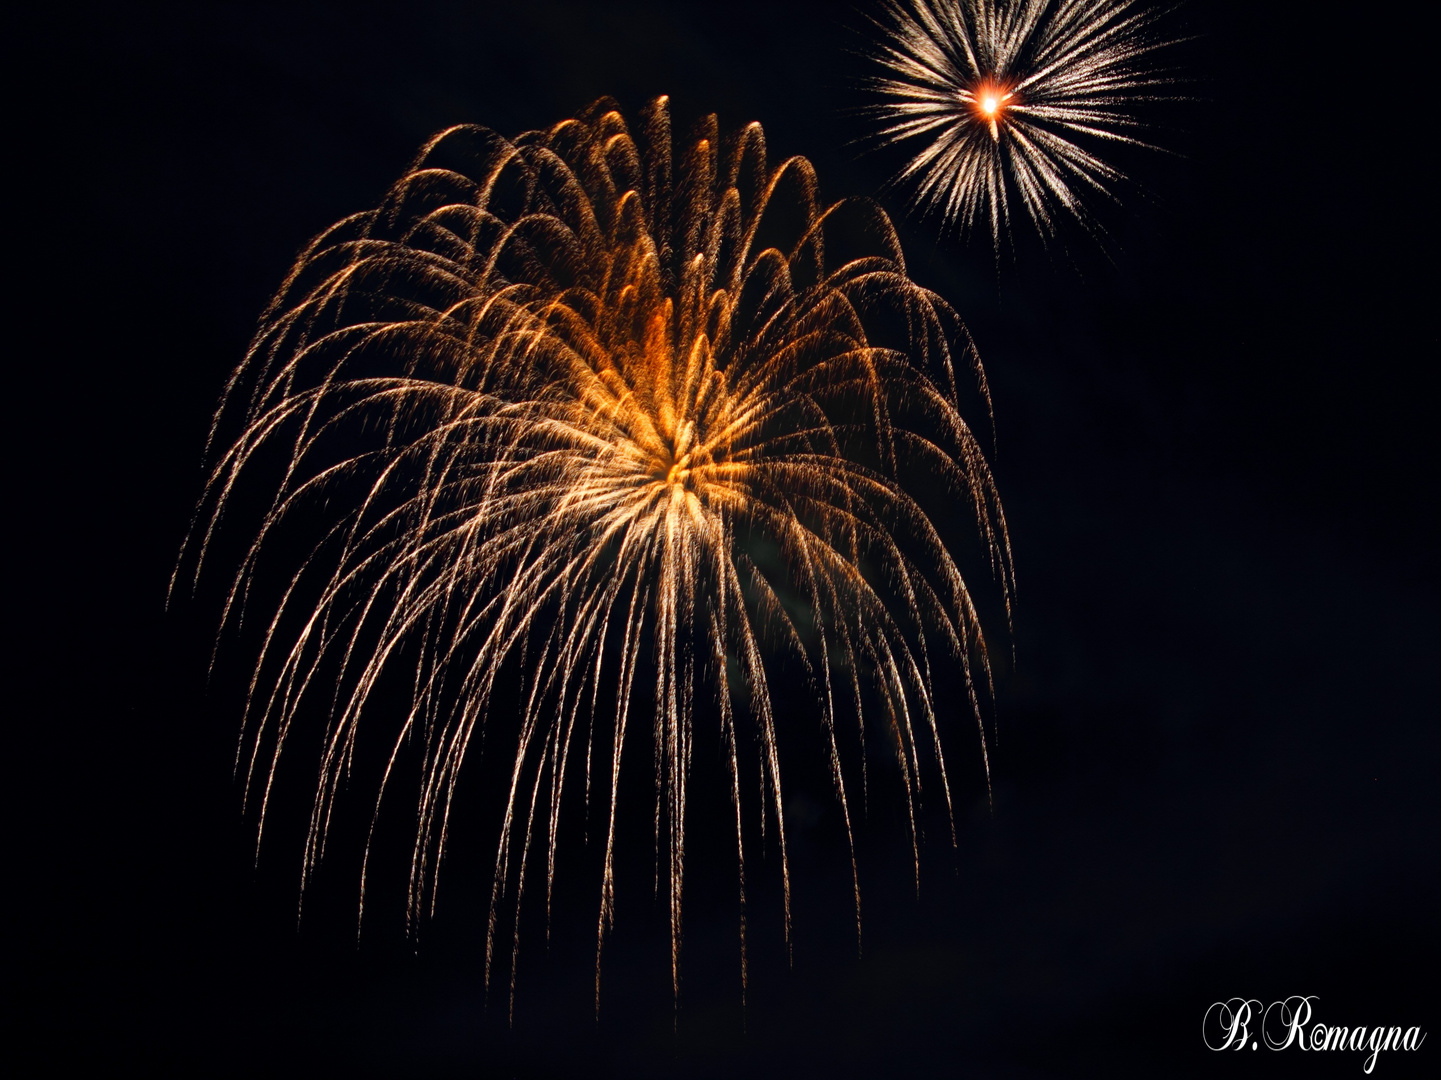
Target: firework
x: 538, y: 412
x: 1010, y: 100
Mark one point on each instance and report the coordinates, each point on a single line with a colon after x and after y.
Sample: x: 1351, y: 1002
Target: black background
x: 1218, y: 747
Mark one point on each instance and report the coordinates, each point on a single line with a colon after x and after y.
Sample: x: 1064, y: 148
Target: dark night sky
x: 1219, y: 745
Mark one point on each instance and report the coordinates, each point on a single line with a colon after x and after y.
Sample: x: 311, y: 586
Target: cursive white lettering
x: 1234, y: 1020
x: 1287, y: 1023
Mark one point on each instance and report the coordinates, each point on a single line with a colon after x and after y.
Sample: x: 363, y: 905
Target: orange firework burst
x: 547, y: 403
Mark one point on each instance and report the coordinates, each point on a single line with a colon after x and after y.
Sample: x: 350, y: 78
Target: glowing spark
x: 550, y: 410
x: 1010, y: 100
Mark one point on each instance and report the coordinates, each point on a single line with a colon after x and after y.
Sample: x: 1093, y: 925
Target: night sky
x: 1218, y: 745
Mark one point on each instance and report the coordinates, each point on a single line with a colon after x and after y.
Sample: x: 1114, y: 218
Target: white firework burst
x: 1013, y: 99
